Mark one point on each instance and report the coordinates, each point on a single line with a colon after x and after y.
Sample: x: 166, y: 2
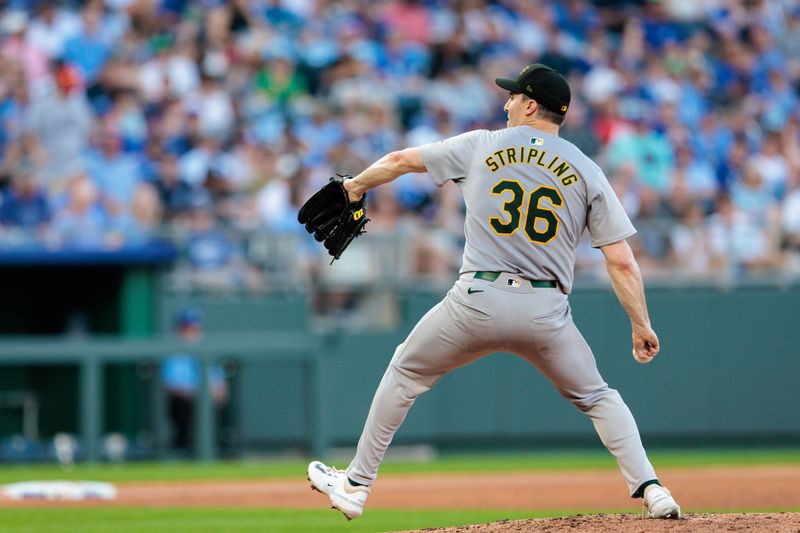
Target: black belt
x: 536, y: 283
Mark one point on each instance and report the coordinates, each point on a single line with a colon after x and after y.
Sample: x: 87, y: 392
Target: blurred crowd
x: 208, y: 122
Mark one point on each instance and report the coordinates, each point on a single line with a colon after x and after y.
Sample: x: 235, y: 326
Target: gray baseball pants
x: 505, y: 315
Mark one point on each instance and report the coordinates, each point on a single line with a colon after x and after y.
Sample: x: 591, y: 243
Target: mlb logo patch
x: 537, y: 141
x: 513, y: 282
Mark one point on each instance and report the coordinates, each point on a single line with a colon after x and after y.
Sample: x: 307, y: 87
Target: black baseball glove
x: 332, y: 218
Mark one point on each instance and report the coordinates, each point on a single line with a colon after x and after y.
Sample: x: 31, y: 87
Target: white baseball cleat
x: 333, y: 482
x: 659, y: 503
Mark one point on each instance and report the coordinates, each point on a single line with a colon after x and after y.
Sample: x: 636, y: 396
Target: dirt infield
x: 767, y: 522
x: 697, y: 489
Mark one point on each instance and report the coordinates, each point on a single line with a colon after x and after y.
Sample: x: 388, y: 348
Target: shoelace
x: 335, y: 470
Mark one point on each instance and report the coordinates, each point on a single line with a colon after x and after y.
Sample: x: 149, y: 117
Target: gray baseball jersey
x: 529, y: 196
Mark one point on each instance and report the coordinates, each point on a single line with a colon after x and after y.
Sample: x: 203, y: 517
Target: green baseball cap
x: 543, y: 84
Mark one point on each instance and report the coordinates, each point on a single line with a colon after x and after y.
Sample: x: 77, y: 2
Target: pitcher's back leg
x: 565, y: 358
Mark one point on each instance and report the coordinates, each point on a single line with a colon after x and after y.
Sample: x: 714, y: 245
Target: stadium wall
x: 728, y: 372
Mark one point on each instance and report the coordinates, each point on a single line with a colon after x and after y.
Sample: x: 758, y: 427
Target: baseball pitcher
x: 529, y: 197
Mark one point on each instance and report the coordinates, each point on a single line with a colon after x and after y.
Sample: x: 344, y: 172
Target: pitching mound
x: 627, y: 523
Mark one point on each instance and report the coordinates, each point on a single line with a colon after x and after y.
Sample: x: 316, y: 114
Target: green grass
x: 516, y: 462
x: 102, y: 520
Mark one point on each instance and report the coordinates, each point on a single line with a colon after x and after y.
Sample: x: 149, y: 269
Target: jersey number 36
x: 541, y: 223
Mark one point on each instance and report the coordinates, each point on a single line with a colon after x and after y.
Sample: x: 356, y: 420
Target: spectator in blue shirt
x: 116, y: 173
x: 81, y: 222
x: 215, y: 260
x: 24, y: 204
x: 88, y: 50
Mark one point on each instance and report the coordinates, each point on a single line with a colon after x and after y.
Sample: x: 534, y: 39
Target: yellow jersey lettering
x: 560, y: 169
x: 358, y: 214
x: 511, y: 153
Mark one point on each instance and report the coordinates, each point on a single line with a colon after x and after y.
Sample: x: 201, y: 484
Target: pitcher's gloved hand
x: 332, y: 218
